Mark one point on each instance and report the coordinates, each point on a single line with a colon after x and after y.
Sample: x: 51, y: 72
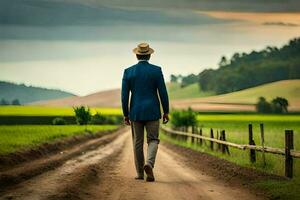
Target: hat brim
x: 135, y: 50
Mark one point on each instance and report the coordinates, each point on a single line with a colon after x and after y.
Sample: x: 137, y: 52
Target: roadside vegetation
x: 45, y: 124
x: 236, y: 127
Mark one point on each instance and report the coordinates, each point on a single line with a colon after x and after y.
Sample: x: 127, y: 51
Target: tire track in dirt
x: 58, y: 181
x: 174, y: 180
x: 21, y: 172
x: 108, y: 173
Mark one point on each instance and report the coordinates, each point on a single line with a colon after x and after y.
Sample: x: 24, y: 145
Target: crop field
x: 236, y: 127
x: 19, y: 137
x: 50, y: 111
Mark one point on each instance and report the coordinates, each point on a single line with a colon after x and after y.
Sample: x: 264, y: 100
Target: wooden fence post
x: 193, y: 132
x: 219, y: 138
x: 186, y: 130
x: 289, y: 144
x: 251, y: 142
x: 225, y: 146
x: 183, y: 130
x: 200, y: 133
x: 186, y: 138
x: 262, y: 136
x: 211, y: 136
x: 197, y: 132
x: 222, y: 136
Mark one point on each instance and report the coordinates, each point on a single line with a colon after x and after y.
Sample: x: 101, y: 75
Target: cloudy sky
x: 84, y: 46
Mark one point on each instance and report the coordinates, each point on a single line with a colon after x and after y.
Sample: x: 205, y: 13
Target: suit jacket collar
x: 143, y: 61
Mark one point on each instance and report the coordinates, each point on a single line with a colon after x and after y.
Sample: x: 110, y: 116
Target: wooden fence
x: 196, y: 136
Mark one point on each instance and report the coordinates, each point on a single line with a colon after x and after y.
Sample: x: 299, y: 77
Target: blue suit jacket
x: 145, y: 81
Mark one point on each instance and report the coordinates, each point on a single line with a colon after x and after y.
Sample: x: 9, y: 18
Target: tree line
x: 245, y: 70
x: 278, y: 105
x: 5, y: 102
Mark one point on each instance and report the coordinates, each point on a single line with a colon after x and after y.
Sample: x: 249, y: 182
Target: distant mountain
x: 28, y: 94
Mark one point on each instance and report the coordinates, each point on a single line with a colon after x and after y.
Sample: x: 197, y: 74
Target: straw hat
x: 143, y: 49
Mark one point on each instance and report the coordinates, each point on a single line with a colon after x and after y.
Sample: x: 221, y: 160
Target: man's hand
x: 165, y: 118
x: 126, y: 121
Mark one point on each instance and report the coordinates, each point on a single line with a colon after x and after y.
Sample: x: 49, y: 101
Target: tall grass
x: 236, y: 128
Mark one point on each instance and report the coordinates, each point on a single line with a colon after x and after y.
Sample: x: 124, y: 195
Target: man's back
x: 144, y: 80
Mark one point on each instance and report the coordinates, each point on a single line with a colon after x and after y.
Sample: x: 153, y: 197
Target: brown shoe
x: 149, y: 172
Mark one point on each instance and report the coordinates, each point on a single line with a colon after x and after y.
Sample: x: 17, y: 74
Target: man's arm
x: 125, y: 95
x: 162, y: 90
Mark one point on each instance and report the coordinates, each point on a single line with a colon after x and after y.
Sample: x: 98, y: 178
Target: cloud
x: 280, y: 24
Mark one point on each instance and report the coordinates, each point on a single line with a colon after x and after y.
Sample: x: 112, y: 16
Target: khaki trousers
x: 152, y: 129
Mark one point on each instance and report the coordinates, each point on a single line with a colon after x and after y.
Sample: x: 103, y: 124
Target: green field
x: 13, y: 138
x: 50, y: 111
x: 289, y: 89
x: 190, y: 91
x: 236, y: 127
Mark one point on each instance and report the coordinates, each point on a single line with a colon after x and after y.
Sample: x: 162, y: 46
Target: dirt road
x: 107, y: 172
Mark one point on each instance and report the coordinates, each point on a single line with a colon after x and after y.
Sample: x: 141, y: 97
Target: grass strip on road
x: 21, y: 137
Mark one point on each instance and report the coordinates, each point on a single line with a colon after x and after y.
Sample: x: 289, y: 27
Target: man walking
x: 145, y: 81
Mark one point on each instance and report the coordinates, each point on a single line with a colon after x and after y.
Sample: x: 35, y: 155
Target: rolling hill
x: 108, y: 98
x: 244, y: 99
x: 111, y: 98
x: 191, y: 97
x: 28, y: 94
x: 190, y: 91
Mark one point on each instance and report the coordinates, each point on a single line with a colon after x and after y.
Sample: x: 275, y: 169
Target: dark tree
x: 223, y: 62
x: 15, y: 102
x: 189, y: 79
x: 173, y: 78
x: 207, y: 80
x: 263, y: 106
x: 82, y: 114
x: 279, y: 105
x: 4, y: 102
